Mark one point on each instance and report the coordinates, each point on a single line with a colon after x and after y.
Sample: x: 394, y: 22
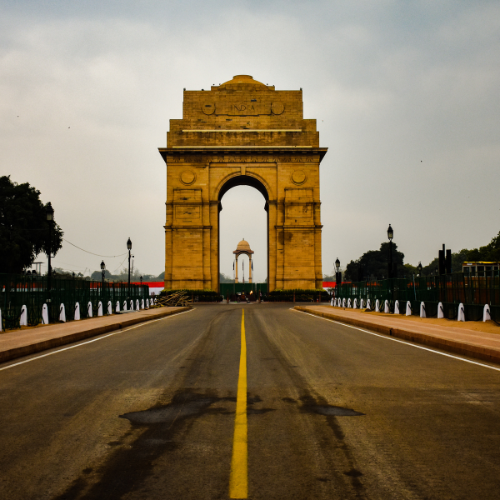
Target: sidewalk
x: 473, y: 339
x: 17, y: 343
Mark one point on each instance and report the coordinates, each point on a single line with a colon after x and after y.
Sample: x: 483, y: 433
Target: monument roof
x: 245, y: 79
x: 243, y: 246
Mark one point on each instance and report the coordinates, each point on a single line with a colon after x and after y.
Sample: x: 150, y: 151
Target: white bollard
x: 361, y: 304
x: 440, y: 311
x: 131, y: 305
x: 396, y: 307
x: 377, y: 306
x: 386, y: 307
x: 45, y: 314
x: 23, y: 320
x: 117, y: 306
x: 89, y: 310
x: 110, y: 308
x: 77, y: 311
x: 124, y: 305
x: 343, y: 302
x: 62, y: 314
x: 142, y: 304
x: 408, y: 308
x: 348, y: 303
x: 486, y: 313
x: 355, y: 305
x: 369, y: 304
x: 147, y: 303
x: 461, y: 312
x: 99, y: 309
x: 422, y: 310
x: 137, y: 305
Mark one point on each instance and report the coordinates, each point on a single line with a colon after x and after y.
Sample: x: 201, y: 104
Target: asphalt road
x: 332, y: 413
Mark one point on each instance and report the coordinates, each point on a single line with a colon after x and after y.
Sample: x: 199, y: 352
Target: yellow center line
x: 238, y: 483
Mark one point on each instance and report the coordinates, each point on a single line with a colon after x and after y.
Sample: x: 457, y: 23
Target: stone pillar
x: 250, y: 268
x: 236, y: 271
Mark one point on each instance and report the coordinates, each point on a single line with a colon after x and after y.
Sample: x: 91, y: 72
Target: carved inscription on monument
x: 243, y: 108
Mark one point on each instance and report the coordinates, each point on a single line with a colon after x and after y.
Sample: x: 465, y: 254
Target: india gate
x: 243, y: 132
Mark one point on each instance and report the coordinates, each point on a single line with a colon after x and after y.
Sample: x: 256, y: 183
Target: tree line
x: 374, y: 263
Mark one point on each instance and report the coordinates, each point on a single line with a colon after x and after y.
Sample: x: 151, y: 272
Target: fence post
x: 62, y: 314
x: 23, y: 320
x: 422, y: 310
x: 461, y: 312
x: 486, y: 313
x: 45, y: 314
x: 440, y: 312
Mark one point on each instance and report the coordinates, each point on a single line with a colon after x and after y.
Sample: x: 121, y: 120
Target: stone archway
x: 243, y: 133
x: 244, y: 180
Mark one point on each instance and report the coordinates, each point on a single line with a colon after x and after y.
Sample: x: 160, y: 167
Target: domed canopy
x: 243, y: 247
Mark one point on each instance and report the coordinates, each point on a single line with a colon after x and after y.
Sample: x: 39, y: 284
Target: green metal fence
x: 33, y: 292
x: 452, y: 289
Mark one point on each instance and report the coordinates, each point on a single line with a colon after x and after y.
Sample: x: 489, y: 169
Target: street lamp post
x: 50, y: 218
x: 129, y: 248
x: 390, y: 236
x: 103, y: 273
x: 338, y: 278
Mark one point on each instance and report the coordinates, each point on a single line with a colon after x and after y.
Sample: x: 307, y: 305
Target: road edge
x: 457, y: 347
x: 44, y: 345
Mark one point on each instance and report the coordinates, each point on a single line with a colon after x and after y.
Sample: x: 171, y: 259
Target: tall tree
x: 374, y: 264
x: 24, y: 229
x: 488, y: 253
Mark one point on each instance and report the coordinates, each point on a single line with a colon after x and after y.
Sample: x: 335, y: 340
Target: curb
x: 457, y: 347
x: 19, y: 352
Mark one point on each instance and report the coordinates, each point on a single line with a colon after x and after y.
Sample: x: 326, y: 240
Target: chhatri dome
x: 243, y: 246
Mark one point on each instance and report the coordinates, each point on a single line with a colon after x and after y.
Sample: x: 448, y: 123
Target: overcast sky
x: 406, y: 95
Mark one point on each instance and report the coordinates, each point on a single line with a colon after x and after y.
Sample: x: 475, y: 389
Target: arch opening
x: 243, y: 180
x: 243, y: 221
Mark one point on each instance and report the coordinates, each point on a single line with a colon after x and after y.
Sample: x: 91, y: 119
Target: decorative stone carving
x: 278, y: 108
x: 298, y: 177
x: 188, y: 177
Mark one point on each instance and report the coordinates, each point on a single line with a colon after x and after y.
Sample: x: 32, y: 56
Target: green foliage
x: 374, y: 264
x: 24, y: 229
x: 223, y: 278
x: 122, y: 276
x: 488, y: 253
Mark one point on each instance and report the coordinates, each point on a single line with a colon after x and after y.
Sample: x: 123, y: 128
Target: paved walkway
x: 28, y: 340
x: 474, y: 339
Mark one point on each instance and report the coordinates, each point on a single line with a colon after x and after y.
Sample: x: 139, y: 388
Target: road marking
x: 402, y: 341
x: 238, y: 483
x: 90, y: 341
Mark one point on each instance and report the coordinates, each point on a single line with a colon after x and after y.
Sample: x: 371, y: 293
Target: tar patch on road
x: 127, y: 467
x: 187, y: 405
x: 335, y: 411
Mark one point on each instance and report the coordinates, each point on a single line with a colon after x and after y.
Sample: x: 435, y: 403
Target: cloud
x: 405, y: 94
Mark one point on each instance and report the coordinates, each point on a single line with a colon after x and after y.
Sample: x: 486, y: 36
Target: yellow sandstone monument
x: 243, y: 133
